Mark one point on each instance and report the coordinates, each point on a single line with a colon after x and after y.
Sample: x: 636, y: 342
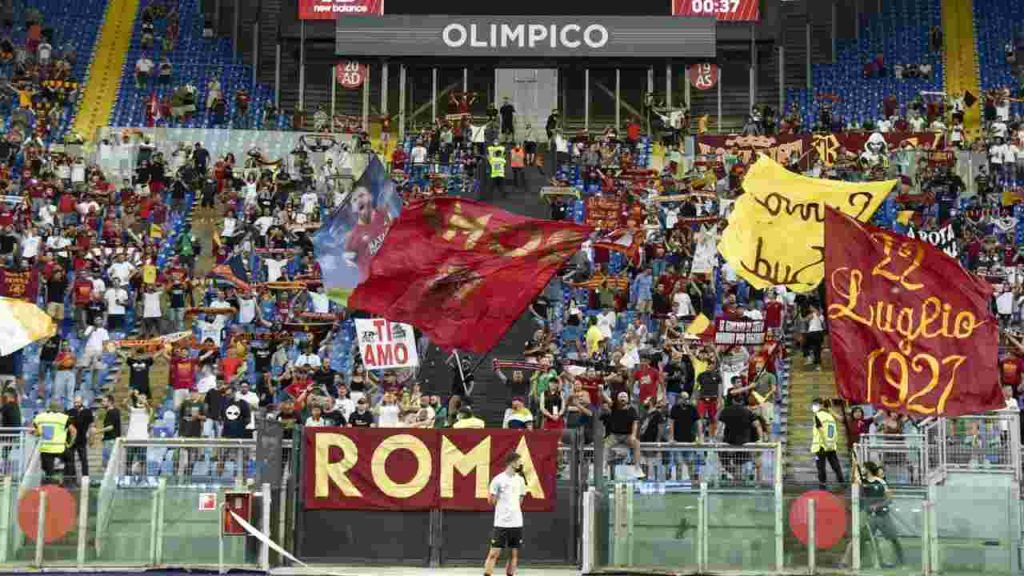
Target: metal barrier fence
x: 904, y: 457
x: 16, y: 445
x: 184, y: 461
x: 987, y: 443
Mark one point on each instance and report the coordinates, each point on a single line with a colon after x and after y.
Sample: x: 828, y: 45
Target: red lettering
x: 368, y: 358
x: 384, y: 355
x: 401, y: 353
x: 378, y: 323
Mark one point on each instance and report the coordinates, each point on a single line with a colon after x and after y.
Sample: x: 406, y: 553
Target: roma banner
x: 911, y: 330
x: 385, y: 344
x: 776, y: 232
x: 410, y: 469
x: 462, y: 271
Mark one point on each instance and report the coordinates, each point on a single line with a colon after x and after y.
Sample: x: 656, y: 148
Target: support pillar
x: 808, y: 63
x: 277, y: 76
x: 401, y: 103
x: 753, y: 67
x: 366, y: 99
x: 668, y: 84
x: 433, y: 94
x: 384, y: 89
x: 782, y: 81
x: 618, y: 98
x: 302, y: 65
x: 586, y: 99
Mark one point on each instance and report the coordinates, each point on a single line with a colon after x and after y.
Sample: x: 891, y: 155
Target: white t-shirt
x: 683, y: 304
x: 246, y: 310
x: 508, y: 491
x: 815, y: 324
x: 263, y: 223
x: 30, y: 246
x: 274, y: 268
x: 144, y: 65
x: 151, y: 305
x: 116, y: 299
x: 122, y: 271
x: 96, y: 338
x: 310, y: 202
x: 321, y: 304
x: 388, y: 416
x: 229, y: 228
x: 1004, y: 303
x: 418, y: 155
x: 311, y: 360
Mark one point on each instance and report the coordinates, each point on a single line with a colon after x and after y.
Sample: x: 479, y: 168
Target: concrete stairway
x: 805, y: 384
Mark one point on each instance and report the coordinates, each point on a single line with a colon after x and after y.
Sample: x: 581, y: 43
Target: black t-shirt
x: 112, y: 418
x: 81, y: 419
x: 507, y: 112
x: 48, y: 352
x: 214, y: 404
x: 739, y: 424
x: 363, y: 420
x: 236, y: 417
x: 620, y: 421
x: 177, y: 296
x: 55, y: 290
x: 710, y: 383
x: 325, y: 378
x: 335, y: 418
x: 261, y: 359
x: 10, y: 416
x: 872, y: 495
x: 139, y: 373
x: 95, y: 309
x: 684, y: 423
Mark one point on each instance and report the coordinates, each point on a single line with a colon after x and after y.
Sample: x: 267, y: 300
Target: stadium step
x: 104, y: 77
x: 806, y: 384
x: 960, y: 53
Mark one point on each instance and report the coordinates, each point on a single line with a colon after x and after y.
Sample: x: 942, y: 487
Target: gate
x: 436, y: 537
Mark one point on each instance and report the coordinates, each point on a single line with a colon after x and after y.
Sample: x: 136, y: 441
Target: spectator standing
x: 10, y: 409
x: 90, y: 363
x: 111, y: 426
x: 362, y: 417
x: 825, y: 435
x: 622, y: 428
x: 81, y: 418
x: 182, y: 375
x: 56, y: 433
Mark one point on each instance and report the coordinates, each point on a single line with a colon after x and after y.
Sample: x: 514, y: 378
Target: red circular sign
x: 350, y: 74
x: 830, y: 518
x: 703, y: 76
x: 61, y: 513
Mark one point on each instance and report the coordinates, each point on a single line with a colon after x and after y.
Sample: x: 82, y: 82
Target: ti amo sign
x: 526, y: 36
x: 410, y: 469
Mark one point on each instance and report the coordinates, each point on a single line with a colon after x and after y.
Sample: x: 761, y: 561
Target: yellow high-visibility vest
x: 53, y: 432
x: 825, y: 436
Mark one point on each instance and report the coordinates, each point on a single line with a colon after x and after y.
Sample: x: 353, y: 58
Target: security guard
x: 825, y: 436
x: 55, y: 435
x: 467, y: 419
x: 496, y: 158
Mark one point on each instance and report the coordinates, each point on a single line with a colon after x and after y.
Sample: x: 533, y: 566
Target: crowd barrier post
x: 40, y: 529
x: 5, y: 517
x: 83, y: 522
x: 933, y: 532
x: 780, y: 532
x: 153, y: 519
x: 161, y: 496
x: 265, y: 526
x: 855, y: 526
x: 926, y: 508
x: 702, y: 528
x: 812, y: 545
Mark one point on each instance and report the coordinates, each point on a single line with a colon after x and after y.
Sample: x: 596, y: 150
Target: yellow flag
x: 776, y: 232
x: 155, y: 231
x: 698, y: 326
x: 905, y: 216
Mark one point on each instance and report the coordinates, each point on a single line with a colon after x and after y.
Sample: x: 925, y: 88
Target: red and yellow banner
x: 911, y: 330
x: 410, y: 469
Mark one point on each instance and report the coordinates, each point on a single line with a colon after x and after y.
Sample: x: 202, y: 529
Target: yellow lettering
x: 533, y: 487
x: 473, y: 228
x: 477, y: 461
x: 328, y: 472
x: 378, y: 466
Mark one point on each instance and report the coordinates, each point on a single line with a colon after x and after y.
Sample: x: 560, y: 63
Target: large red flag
x: 463, y: 271
x: 911, y: 330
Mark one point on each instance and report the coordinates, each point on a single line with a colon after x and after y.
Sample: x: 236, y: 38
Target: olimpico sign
x: 570, y: 36
x: 525, y: 36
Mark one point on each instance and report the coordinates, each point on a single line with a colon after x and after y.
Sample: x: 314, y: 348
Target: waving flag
x: 463, y: 271
x: 21, y: 324
x: 911, y: 330
x: 352, y: 235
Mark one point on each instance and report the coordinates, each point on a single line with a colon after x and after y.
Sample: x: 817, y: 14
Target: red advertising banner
x: 722, y: 10
x: 350, y: 75
x: 410, y: 469
x: 331, y: 9
x: 23, y: 285
x: 911, y: 330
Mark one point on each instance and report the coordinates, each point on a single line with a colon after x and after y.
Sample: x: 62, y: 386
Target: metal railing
x: 904, y: 456
x: 16, y: 446
x: 184, y: 462
x: 986, y: 443
x: 681, y: 466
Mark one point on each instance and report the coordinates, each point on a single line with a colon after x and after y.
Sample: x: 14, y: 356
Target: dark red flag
x: 911, y: 330
x: 463, y: 271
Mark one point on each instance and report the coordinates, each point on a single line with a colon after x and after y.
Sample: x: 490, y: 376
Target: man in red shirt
x: 81, y: 295
x: 648, y: 379
x: 182, y: 375
x: 773, y: 310
x: 591, y: 383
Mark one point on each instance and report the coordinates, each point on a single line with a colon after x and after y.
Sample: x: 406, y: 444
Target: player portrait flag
x: 911, y: 330
x: 463, y: 271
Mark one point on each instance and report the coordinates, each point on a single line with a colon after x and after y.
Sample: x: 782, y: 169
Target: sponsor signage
x: 350, y: 74
x: 410, y: 469
x: 564, y: 36
x: 721, y: 10
x: 331, y: 9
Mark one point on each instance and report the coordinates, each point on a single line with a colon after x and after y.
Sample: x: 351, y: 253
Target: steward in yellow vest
x: 824, y: 438
x: 55, y: 435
